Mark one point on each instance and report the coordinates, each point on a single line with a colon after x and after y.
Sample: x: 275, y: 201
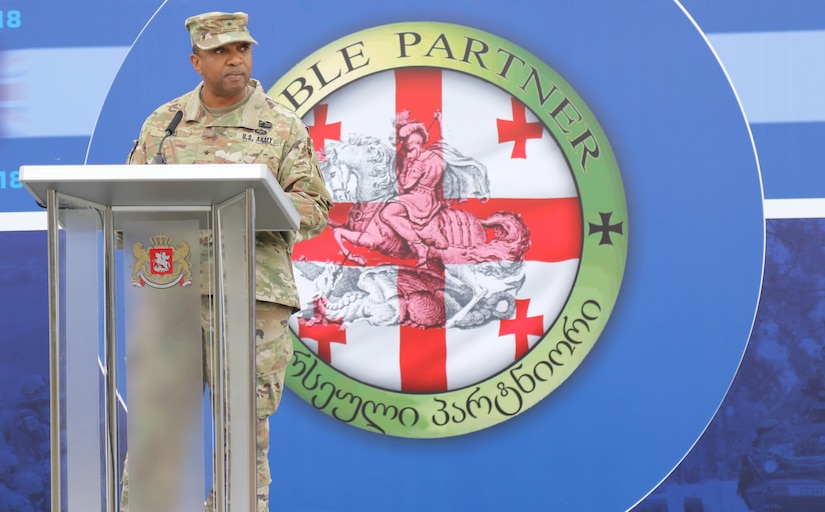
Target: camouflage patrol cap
x: 213, y: 29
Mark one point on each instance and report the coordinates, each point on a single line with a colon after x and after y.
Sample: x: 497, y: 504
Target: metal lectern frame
x: 231, y: 200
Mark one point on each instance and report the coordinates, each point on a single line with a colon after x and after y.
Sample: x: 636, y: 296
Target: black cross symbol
x: 605, y: 228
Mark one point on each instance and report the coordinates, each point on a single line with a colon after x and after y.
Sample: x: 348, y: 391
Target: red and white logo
x: 160, y: 260
x: 455, y: 239
x: 479, y: 236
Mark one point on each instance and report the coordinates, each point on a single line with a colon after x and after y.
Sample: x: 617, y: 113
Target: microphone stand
x: 173, y: 125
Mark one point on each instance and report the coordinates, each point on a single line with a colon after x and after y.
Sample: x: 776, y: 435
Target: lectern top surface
x: 153, y: 187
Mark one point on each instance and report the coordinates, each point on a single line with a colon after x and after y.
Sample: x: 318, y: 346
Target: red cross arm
x: 522, y: 326
x: 321, y: 132
x: 518, y: 130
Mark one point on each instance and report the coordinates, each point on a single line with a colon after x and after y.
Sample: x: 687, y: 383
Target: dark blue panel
x: 24, y: 372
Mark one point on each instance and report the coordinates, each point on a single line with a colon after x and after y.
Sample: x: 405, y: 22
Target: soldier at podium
x: 228, y: 118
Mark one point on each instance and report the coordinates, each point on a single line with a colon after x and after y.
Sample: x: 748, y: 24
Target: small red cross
x: 518, y: 130
x: 522, y: 326
x: 325, y: 334
x: 321, y: 132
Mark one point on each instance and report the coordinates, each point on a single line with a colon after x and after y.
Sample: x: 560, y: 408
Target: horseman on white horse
x: 416, y: 222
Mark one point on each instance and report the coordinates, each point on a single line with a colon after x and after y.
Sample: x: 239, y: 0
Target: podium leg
x: 234, y: 354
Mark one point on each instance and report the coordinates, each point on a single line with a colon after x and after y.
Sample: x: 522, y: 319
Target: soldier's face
x: 225, y: 71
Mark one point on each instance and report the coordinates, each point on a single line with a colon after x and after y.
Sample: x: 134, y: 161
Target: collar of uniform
x: 248, y: 118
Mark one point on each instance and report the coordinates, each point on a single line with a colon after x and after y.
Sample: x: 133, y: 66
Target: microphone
x: 173, y: 125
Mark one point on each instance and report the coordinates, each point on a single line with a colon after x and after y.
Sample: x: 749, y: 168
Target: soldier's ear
x: 195, y: 59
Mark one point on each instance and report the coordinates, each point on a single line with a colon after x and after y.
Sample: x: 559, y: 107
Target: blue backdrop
x: 714, y: 113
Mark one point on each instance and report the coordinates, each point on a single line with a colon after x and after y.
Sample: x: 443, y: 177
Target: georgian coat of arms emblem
x: 162, y: 264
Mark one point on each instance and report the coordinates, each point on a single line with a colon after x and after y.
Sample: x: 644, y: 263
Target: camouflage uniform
x: 261, y: 131
x: 258, y: 130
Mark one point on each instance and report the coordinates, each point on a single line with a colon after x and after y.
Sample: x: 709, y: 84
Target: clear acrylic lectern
x: 152, y: 332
